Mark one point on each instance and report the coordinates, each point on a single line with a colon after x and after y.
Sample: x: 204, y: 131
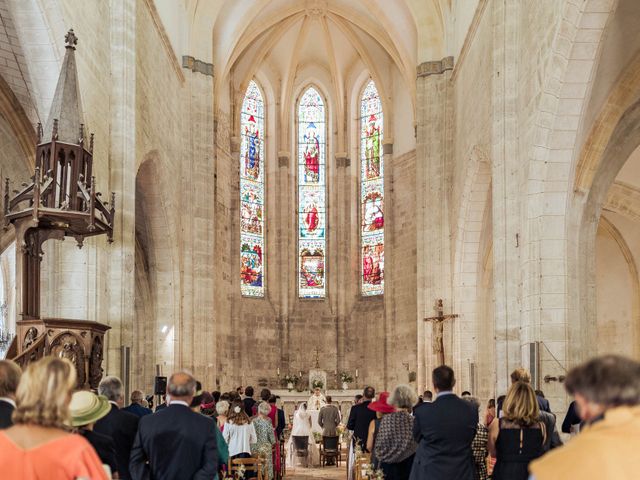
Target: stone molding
x: 196, y: 65
x: 435, y: 67
x: 387, y: 148
x: 624, y: 199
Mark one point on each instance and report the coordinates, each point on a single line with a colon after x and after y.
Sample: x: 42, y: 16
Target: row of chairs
x: 330, y: 450
x: 254, y: 466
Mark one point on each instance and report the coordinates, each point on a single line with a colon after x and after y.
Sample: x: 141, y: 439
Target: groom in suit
x: 444, y: 431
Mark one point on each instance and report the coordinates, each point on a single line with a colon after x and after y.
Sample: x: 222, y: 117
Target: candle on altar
x: 278, y: 371
x: 356, y: 373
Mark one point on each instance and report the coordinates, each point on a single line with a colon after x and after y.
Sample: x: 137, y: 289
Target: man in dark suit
x: 444, y: 431
x: 248, y: 401
x: 10, y: 374
x: 136, y: 406
x: 360, y: 417
x: 282, y: 422
x: 176, y: 443
x: 121, y: 426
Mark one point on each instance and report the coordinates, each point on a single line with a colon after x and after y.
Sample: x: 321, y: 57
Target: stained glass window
x: 252, y: 250
x: 311, y: 195
x: 371, y: 192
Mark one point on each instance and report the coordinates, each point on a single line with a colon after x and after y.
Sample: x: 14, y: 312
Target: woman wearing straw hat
x: 86, y: 408
x: 382, y: 408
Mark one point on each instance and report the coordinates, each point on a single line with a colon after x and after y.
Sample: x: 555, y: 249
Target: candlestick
x: 356, y: 373
x: 278, y: 371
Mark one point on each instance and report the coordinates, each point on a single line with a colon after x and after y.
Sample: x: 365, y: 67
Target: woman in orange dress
x: 38, y: 446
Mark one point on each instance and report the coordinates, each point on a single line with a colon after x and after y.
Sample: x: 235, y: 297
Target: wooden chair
x: 361, y: 464
x: 283, y: 458
x: 248, y: 465
x: 330, y: 450
x: 301, y: 448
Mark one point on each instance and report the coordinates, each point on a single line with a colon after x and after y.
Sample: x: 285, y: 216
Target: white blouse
x: 239, y: 437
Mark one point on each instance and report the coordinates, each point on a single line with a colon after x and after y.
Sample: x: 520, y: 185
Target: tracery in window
x: 252, y: 251
x: 311, y: 195
x: 371, y: 192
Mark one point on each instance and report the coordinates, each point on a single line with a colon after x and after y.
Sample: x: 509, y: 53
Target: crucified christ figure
x: 437, y: 335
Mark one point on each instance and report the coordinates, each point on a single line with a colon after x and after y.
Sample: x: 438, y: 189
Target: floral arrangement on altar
x: 290, y: 381
x: 346, y: 377
x: 317, y: 384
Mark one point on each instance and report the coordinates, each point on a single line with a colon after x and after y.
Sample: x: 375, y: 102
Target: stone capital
x: 435, y: 67
x: 342, y: 159
x: 196, y: 65
x: 283, y: 158
x: 387, y: 148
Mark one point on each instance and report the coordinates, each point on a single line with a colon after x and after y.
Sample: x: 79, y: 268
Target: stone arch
x: 565, y: 92
x: 623, y: 140
x: 157, y: 282
x: 473, y: 233
x: 18, y: 139
x: 608, y: 330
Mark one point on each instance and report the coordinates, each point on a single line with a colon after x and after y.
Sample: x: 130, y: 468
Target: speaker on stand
x: 159, y: 386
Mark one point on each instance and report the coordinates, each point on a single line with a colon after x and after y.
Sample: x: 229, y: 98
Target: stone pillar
x: 391, y: 368
x: 120, y: 256
x: 199, y: 351
x: 344, y: 275
x: 506, y: 192
x: 433, y: 115
x: 281, y: 259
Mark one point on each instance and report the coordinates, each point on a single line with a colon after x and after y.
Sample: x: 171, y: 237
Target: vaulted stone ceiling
x: 338, y: 36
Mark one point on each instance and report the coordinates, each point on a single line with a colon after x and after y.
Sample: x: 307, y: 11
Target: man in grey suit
x: 329, y: 418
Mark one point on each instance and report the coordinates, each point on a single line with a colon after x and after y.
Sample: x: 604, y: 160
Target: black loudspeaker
x: 160, y: 386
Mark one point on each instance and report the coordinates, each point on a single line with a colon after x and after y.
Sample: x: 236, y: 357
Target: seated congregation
x: 50, y: 431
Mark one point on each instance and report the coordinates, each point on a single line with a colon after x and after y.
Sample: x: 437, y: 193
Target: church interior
x: 364, y: 189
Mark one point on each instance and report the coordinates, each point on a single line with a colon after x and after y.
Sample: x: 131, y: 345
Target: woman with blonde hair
x: 518, y: 437
x: 222, y: 409
x: 37, y: 446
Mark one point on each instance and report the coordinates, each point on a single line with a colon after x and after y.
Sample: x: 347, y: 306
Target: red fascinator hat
x: 381, y: 405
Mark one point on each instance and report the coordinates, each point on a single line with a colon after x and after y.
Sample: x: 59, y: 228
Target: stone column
x: 433, y: 116
x: 120, y: 256
x: 343, y: 274
x: 198, y: 211
x: 282, y: 264
x: 506, y: 193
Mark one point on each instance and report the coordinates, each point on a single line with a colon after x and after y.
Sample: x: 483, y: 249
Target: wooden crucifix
x: 437, y: 336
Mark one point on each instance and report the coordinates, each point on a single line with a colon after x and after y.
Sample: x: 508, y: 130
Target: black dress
x: 516, y: 447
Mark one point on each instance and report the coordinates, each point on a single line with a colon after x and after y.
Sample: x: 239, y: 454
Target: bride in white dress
x: 302, y: 428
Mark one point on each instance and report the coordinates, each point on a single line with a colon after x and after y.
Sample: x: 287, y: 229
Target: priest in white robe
x: 316, y: 401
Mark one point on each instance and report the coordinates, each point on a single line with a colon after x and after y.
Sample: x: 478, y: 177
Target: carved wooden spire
x: 66, y: 107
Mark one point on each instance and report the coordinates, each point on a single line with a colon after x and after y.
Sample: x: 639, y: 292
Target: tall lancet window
x: 252, y: 252
x: 371, y: 192
x: 311, y: 195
